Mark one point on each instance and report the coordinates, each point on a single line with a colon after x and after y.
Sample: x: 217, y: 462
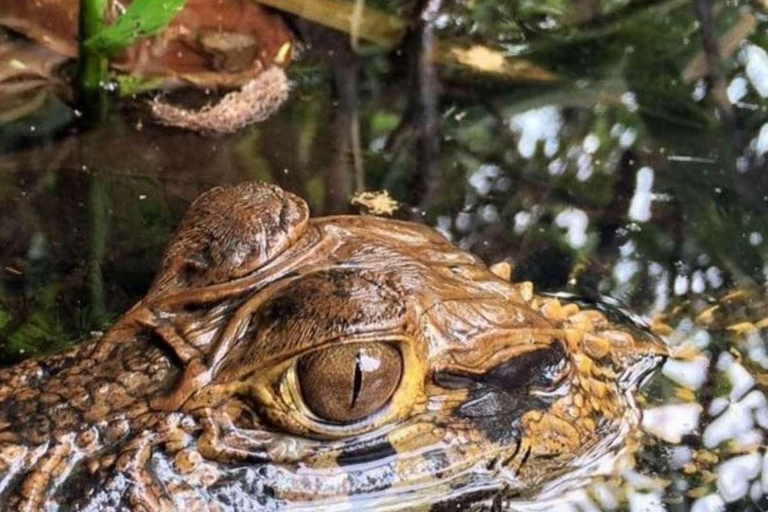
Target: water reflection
x: 622, y: 177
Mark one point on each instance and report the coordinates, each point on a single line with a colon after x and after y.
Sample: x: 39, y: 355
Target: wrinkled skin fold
x: 279, y: 361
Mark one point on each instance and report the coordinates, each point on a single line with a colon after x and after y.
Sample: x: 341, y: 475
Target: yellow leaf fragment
x: 685, y: 394
x: 661, y: 329
x: 761, y: 377
x: 484, y: 59
x: 481, y: 58
x: 686, y: 351
x: 706, y: 316
x: 699, y: 492
x: 690, y: 469
x: 742, y: 327
x: 282, y: 53
x: 735, y: 295
x: 377, y: 203
x: 706, y: 457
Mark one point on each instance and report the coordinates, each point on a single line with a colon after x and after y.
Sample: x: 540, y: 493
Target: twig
x: 425, y: 101
x: 703, y: 10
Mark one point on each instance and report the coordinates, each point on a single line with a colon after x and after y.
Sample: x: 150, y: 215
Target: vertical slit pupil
x: 358, y: 381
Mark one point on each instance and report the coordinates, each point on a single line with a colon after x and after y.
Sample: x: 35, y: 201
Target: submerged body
x: 279, y: 361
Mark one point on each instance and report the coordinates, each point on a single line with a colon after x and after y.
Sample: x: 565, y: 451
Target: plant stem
x: 93, y: 66
x: 99, y: 208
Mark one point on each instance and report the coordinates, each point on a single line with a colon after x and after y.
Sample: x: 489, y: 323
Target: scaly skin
x: 343, y: 362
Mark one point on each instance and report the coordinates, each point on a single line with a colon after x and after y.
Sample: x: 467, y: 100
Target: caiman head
x: 346, y: 362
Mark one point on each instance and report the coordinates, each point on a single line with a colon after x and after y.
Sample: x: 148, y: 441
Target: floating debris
x: 377, y: 203
x: 255, y: 102
x: 483, y: 59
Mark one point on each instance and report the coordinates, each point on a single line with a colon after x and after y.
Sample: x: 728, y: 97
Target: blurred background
x: 609, y: 148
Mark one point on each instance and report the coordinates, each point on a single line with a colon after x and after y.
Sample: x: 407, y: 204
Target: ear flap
x: 229, y: 232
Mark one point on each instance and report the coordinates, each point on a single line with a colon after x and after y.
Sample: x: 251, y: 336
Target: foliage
x: 142, y: 18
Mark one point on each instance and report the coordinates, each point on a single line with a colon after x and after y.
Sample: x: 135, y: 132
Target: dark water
x: 620, y: 151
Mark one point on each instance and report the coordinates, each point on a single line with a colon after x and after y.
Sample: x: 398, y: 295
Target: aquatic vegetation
x: 141, y: 18
x: 150, y: 46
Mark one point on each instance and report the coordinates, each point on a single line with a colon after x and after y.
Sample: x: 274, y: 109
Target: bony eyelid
x: 370, y: 337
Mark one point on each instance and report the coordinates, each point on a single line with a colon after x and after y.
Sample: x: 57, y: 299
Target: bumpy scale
x: 282, y: 361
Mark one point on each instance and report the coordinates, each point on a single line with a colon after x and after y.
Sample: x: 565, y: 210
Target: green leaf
x: 143, y: 18
x: 131, y: 85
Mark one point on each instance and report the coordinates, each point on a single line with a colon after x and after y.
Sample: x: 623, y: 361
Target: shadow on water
x: 612, y: 147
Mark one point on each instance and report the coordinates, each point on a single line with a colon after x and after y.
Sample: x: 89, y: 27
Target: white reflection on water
x: 755, y: 346
x: 734, y: 475
x: 640, y: 206
x: 714, y: 277
x: 627, y: 137
x: 738, y: 421
x: 755, y: 60
x: 711, y: 503
x: 576, y: 222
x: 541, y: 124
x: 522, y: 221
x: 681, y: 284
x: 691, y: 374
x: 625, y: 269
x: 737, y: 89
x: 672, y: 421
x: 629, y: 100
x: 760, y: 144
x: 584, y: 167
x: 737, y: 418
x: 556, y: 167
x: 645, y: 502
x: 591, y: 143
x: 741, y: 380
x: 483, y: 179
x: 698, y: 284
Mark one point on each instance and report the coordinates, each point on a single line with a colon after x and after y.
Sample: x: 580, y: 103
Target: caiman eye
x: 346, y: 383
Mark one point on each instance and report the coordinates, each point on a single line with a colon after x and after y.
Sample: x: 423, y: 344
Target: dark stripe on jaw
x: 475, y: 500
x: 508, y: 460
x: 379, y: 450
x: 525, y: 459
